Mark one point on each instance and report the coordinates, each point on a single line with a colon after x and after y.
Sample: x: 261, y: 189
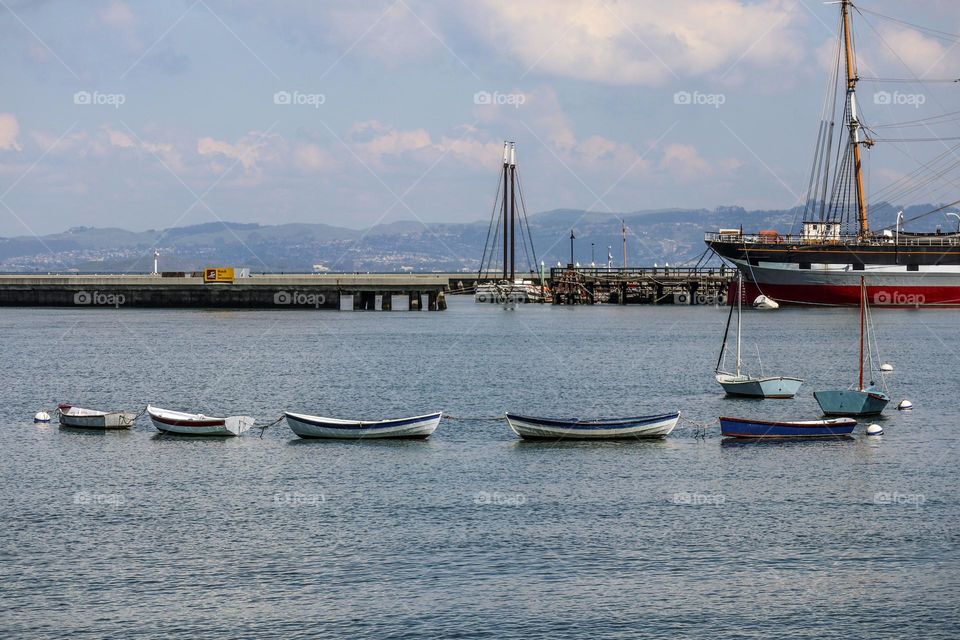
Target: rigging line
x: 526, y: 221
x: 919, y: 121
x: 923, y: 215
x: 946, y: 139
x: 525, y: 237
x: 489, y: 228
x: 912, y: 80
x: 943, y: 34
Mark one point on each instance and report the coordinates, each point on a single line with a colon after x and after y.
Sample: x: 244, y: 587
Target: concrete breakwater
x: 269, y: 291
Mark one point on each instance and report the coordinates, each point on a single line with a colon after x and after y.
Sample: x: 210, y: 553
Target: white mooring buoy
x: 905, y: 405
x: 874, y: 430
x: 886, y: 367
x: 41, y: 416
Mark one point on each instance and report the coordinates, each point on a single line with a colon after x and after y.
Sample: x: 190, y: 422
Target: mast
x: 739, y: 314
x: 506, y: 223
x: 863, y: 298
x: 854, y: 124
x: 513, y: 210
x: 623, y: 233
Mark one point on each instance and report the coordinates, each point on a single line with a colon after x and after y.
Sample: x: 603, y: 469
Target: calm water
x: 471, y: 533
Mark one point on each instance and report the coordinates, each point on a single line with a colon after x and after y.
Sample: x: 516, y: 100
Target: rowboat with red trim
x: 197, y: 424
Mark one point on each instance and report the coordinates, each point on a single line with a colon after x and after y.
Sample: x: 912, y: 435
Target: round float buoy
x: 482, y: 298
x: 886, y: 367
x: 41, y: 416
x: 722, y: 298
x: 905, y: 405
x: 874, y: 430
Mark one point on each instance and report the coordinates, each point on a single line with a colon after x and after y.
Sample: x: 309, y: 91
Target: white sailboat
x: 742, y: 384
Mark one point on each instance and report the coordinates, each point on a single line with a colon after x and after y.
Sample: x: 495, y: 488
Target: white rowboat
x: 197, y: 424
x: 80, y: 418
x: 307, y: 426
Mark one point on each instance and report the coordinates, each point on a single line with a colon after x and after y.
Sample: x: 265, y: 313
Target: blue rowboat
x: 746, y: 428
x: 530, y: 428
x: 307, y: 426
x: 850, y: 402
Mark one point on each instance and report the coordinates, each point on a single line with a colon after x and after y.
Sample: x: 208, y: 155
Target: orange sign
x: 216, y: 274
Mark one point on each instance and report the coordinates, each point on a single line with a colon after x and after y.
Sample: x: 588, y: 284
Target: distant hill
x: 657, y: 236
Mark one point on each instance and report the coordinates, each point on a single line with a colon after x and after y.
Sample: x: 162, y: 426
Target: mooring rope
x: 268, y: 425
x: 463, y: 419
x: 700, y: 428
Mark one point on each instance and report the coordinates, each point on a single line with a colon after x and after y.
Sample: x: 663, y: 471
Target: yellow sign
x: 218, y: 274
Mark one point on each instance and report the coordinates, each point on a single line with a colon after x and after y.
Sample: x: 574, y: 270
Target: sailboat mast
x: 739, y: 315
x: 623, y: 233
x: 506, y: 223
x: 513, y: 210
x: 854, y: 123
x: 863, y: 298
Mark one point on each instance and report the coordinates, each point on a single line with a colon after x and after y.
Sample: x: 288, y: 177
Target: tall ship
x: 498, y: 280
x: 836, y: 245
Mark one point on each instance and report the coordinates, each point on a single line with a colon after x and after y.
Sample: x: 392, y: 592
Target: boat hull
x: 754, y: 429
x: 839, y: 285
x: 532, y: 428
x: 108, y: 420
x: 307, y: 426
x: 749, y: 387
x: 849, y: 402
x: 505, y: 293
x: 186, y: 424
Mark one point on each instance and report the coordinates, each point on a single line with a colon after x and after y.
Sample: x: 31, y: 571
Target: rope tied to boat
x: 270, y: 424
x: 465, y: 419
x: 700, y: 428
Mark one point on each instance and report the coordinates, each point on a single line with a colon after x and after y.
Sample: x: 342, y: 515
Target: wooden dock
x: 644, y: 285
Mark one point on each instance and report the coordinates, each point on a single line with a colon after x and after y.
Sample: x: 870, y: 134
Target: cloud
x: 118, y: 15
x: 249, y: 150
x: 9, y: 130
x: 922, y: 56
x: 640, y: 42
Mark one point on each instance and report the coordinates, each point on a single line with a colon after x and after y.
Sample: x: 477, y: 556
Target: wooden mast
x: 863, y: 299
x: 854, y: 124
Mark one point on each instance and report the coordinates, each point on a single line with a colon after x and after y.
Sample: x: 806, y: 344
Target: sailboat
x: 745, y: 385
x: 864, y: 400
x: 508, y: 288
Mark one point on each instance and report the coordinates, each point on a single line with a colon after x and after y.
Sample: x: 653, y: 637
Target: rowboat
x: 81, y: 418
x: 197, y: 424
x: 747, y: 428
x: 307, y: 426
x: 530, y: 428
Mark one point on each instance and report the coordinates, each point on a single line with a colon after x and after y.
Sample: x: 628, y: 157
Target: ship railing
x: 946, y: 240
x: 627, y: 273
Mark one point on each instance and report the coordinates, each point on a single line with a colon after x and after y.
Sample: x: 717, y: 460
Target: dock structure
x: 267, y: 291
x: 640, y: 285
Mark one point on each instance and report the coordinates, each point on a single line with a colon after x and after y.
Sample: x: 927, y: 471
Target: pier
x: 640, y: 285
x: 368, y: 292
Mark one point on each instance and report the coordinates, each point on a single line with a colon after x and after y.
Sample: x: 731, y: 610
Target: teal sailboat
x: 864, y: 400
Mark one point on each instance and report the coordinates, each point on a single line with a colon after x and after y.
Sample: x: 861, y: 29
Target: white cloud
x: 117, y: 14
x: 640, y: 42
x: 9, y: 130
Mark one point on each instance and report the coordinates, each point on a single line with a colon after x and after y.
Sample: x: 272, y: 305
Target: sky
x: 148, y: 115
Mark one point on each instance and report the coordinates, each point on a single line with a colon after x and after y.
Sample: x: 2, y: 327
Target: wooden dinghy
x: 749, y: 428
x: 80, y: 418
x: 307, y: 426
x: 197, y: 424
x: 532, y: 428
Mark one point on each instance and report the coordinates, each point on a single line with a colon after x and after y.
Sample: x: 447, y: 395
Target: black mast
x: 506, y: 223
x: 513, y: 211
